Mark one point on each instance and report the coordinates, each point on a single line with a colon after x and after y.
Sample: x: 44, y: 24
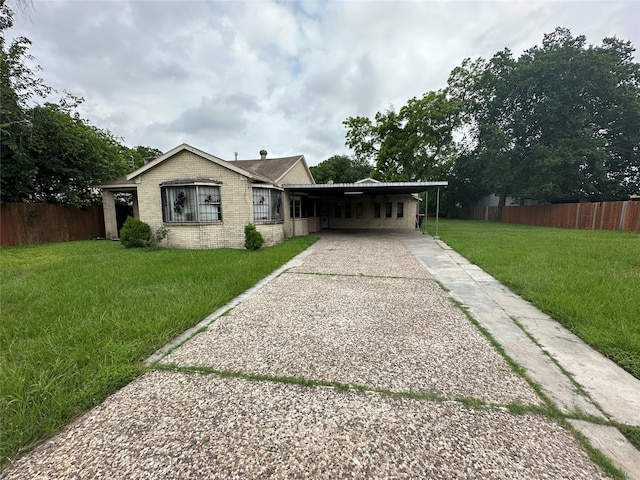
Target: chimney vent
x: 263, y: 154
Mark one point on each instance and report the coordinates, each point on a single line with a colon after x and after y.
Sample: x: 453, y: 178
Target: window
x: 347, y: 210
x: 191, y: 203
x: 400, y: 210
x: 267, y: 205
x: 295, y: 210
x: 359, y: 209
x: 388, y: 209
x: 376, y: 210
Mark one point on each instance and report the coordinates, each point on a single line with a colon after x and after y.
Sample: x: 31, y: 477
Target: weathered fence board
x: 35, y: 223
x: 582, y: 216
x: 478, y: 213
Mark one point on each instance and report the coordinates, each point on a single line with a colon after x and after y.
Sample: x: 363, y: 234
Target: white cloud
x: 242, y: 76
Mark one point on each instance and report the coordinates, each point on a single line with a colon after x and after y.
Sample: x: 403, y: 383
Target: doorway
x: 324, y: 216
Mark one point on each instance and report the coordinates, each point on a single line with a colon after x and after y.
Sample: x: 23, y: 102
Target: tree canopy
x: 50, y: 154
x: 562, y: 122
x: 341, y: 169
x: 412, y: 144
x: 559, y: 123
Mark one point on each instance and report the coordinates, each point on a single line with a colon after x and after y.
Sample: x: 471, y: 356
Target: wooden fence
x: 582, y: 216
x: 35, y: 223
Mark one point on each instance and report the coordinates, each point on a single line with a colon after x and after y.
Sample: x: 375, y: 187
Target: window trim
x: 271, y: 189
x: 190, y: 184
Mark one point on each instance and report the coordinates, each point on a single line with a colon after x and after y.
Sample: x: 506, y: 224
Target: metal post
x: 426, y: 207
x: 437, y: 213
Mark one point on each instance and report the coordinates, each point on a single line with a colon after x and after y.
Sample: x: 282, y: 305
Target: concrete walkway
x: 352, y: 362
x: 577, y: 379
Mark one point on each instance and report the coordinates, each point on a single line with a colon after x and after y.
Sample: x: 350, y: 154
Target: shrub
x: 157, y: 237
x: 252, y: 238
x: 135, y: 233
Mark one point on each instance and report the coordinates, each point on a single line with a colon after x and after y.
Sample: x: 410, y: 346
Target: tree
x: 138, y: 155
x: 562, y: 122
x: 49, y: 154
x: 341, y: 169
x: 18, y: 86
x: 415, y: 143
x: 71, y: 157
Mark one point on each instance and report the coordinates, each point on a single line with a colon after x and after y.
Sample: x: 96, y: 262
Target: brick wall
x: 298, y: 174
x: 369, y: 220
x: 235, y: 198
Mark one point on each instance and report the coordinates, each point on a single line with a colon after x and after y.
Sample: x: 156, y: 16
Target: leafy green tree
x: 415, y: 143
x: 138, y: 155
x: 49, y: 154
x: 561, y: 122
x: 19, y: 85
x: 341, y: 169
x: 71, y: 156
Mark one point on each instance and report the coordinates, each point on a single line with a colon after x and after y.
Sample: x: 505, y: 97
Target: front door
x: 324, y: 215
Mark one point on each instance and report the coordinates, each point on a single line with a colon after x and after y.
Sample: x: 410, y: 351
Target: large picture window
x: 191, y: 204
x: 267, y: 205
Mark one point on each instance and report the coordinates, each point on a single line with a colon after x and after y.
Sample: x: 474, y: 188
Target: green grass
x: 587, y: 280
x: 632, y: 434
x: 78, y: 319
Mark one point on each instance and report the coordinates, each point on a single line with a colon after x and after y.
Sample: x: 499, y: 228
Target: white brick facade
x: 235, y: 198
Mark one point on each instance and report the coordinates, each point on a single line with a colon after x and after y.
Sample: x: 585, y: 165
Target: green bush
x: 252, y: 238
x: 156, y: 237
x: 135, y: 233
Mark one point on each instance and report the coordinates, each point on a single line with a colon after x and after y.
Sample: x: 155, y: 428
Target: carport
x: 365, y: 204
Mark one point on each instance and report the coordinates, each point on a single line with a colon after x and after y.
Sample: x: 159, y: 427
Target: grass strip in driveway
x: 79, y: 317
x: 587, y: 280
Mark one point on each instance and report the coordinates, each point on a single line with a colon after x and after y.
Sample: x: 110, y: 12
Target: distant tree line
x: 559, y: 123
x: 48, y: 152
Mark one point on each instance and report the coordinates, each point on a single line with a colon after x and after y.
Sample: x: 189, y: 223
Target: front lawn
x: 587, y: 280
x: 78, y: 318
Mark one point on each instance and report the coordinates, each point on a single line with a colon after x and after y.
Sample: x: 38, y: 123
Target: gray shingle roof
x: 271, y: 168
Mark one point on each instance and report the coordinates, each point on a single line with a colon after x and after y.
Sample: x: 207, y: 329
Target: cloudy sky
x: 240, y: 76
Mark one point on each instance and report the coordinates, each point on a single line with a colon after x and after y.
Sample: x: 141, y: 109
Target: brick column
x: 136, y: 208
x: 109, y: 209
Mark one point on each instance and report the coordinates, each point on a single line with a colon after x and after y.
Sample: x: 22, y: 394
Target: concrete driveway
x: 351, y: 362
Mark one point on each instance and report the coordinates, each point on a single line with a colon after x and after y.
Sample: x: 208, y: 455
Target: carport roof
x: 372, y: 188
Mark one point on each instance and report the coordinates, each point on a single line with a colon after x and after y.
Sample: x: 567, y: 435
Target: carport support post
x: 437, y: 213
x: 426, y: 207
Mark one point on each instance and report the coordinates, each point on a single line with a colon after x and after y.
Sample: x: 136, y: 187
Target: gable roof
x: 368, y: 180
x: 184, y: 147
x: 272, y: 168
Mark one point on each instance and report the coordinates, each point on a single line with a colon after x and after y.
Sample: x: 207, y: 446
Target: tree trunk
x: 503, y: 199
